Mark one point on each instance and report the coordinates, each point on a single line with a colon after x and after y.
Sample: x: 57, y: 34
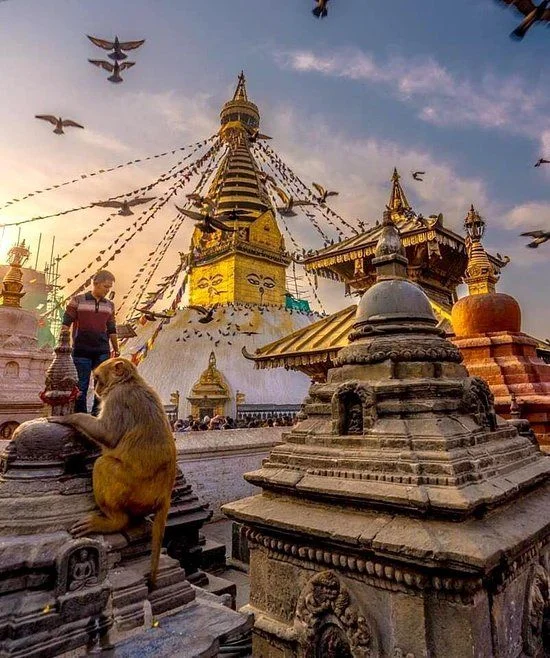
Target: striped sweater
x: 93, y: 321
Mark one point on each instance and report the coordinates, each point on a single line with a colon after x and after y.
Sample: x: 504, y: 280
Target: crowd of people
x: 191, y: 424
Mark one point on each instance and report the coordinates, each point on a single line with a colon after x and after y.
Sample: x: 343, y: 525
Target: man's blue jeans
x: 84, y: 368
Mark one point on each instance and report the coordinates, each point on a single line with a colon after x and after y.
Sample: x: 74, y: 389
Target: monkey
x: 135, y: 474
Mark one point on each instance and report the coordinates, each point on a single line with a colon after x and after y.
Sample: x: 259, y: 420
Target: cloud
x: 360, y: 169
x: 530, y: 216
x: 439, y: 96
x: 103, y: 141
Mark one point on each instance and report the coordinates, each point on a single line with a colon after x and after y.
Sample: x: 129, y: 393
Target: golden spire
x: 12, y: 288
x: 398, y: 199
x: 229, y: 266
x: 481, y: 277
x: 240, y: 91
x: 238, y: 183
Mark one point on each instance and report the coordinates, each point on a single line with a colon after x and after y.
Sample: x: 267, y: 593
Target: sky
x: 433, y: 86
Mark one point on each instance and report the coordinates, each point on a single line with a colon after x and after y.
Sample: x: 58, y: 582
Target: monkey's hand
x: 82, y: 528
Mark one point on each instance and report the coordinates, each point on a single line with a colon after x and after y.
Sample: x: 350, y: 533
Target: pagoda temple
x: 241, y: 276
x: 437, y: 261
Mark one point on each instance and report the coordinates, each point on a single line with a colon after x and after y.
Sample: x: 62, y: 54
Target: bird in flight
x: 321, y: 9
x: 115, y: 68
x: 533, y: 14
x: 540, y: 238
x: 200, y: 201
x: 254, y: 134
x: 287, y: 209
x: 206, y: 313
x: 58, y: 122
x: 125, y: 207
x: 323, y: 193
x: 116, y: 46
x: 541, y: 161
x: 417, y: 175
x: 207, y: 223
x: 152, y: 315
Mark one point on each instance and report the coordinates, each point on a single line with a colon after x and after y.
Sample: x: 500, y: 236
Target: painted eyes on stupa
x: 211, y: 281
x: 257, y: 280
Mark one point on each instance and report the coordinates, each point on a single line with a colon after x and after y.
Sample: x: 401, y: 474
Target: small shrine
x: 487, y: 328
x: 401, y: 516
x: 210, y: 394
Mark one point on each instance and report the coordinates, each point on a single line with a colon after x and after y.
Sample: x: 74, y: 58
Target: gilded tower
x: 247, y: 266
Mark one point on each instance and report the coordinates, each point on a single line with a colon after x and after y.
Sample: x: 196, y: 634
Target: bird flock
x: 118, y: 56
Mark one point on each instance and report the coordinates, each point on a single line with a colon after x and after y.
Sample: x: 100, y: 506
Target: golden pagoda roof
x: 308, y: 345
x: 312, y: 348
x: 413, y: 231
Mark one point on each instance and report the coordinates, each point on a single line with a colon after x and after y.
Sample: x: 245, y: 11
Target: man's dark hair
x: 103, y: 275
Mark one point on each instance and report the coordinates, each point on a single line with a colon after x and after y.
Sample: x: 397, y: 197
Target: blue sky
x: 420, y: 85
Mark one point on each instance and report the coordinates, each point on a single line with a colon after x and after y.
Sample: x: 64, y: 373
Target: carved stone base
x: 333, y: 581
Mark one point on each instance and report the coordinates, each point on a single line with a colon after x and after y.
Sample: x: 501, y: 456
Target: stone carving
x: 537, y: 614
x: 353, y: 408
x: 399, y: 653
x: 395, y: 349
x: 11, y: 370
x: 479, y: 401
x: 327, y: 620
x: 81, y: 565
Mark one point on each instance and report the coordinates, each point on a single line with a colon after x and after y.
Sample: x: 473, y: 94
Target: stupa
x: 65, y: 596
x: 487, y: 328
x: 401, y: 516
x: 243, y: 273
x: 22, y: 363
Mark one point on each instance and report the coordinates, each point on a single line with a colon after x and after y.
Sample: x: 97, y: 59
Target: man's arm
x: 111, y: 330
x: 69, y: 316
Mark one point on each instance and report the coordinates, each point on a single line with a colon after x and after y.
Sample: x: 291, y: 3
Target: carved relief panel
x: 353, y: 408
x: 329, y: 624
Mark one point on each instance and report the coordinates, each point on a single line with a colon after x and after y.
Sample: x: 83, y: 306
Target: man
x: 92, y: 317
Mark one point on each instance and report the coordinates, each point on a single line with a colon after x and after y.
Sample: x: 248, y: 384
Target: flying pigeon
x: 288, y: 209
x: 207, y: 313
x: 116, y: 46
x: 152, y: 315
x: 321, y: 9
x: 115, y: 68
x: 255, y: 134
x: 125, y: 206
x: 533, y: 14
x: 541, y: 161
x: 540, y: 238
x: 208, y: 224
x: 58, y: 122
x: 200, y: 201
x: 417, y: 175
x: 323, y: 193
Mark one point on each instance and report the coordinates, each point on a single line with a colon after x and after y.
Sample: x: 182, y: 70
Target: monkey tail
x: 159, y: 523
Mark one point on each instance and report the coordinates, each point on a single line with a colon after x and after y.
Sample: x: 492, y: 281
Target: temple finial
x: 240, y: 91
x: 12, y: 287
x: 389, y: 256
x: 398, y: 200
x: 481, y: 276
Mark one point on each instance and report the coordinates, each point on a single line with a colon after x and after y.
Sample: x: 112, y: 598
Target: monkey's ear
x: 122, y: 367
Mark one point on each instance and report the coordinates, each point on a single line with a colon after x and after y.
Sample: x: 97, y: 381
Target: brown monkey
x: 134, y: 476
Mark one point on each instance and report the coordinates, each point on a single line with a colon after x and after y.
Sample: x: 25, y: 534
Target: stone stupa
x: 401, y: 517
x: 22, y: 363
x: 65, y: 596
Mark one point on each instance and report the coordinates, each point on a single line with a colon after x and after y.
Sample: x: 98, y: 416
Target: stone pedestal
x: 401, y: 518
